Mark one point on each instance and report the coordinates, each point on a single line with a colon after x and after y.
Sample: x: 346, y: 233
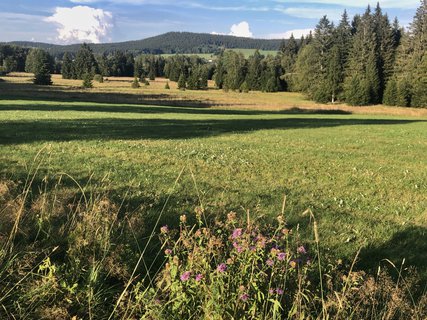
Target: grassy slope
x: 364, y: 176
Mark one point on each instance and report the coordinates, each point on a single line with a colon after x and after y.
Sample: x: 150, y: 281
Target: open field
x: 363, y: 171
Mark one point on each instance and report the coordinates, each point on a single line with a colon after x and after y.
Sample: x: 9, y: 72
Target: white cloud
x: 241, y: 29
x: 298, y: 33
x: 82, y: 24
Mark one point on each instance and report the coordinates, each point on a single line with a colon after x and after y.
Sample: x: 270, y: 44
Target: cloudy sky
x: 71, y: 21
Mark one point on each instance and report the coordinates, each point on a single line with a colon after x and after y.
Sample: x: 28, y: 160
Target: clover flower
x: 222, y: 268
x: 199, y: 277
x: 281, y: 256
x: 237, y: 233
x: 185, y: 276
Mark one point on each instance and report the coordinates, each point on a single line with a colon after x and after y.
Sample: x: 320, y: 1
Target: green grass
x: 364, y: 177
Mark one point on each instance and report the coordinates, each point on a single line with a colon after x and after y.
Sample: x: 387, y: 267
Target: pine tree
x: 41, y: 67
x: 87, y: 81
x: 67, y: 69
x: 182, y: 82
x: 220, y: 72
x: 362, y: 70
x: 385, y: 50
x: 410, y: 69
x: 85, y: 62
x: 253, y: 78
x: 289, y: 55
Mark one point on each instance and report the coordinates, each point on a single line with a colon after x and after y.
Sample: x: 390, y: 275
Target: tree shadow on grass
x: 154, y: 109
x: 410, y: 244
x: 140, y: 103
x: 16, y: 132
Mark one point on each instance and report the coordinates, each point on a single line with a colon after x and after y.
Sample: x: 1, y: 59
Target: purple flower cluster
x: 185, y: 276
x: 222, y: 268
x: 237, y: 233
x: 276, y: 291
x: 199, y: 277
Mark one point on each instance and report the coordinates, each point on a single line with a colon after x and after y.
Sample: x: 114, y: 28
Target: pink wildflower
x: 185, y: 276
x: 199, y: 277
x: 237, y: 233
x: 222, y: 268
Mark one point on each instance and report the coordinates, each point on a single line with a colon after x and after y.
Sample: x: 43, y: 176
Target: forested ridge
x: 168, y: 43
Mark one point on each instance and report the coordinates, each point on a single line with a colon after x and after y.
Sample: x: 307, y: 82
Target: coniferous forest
x: 366, y: 60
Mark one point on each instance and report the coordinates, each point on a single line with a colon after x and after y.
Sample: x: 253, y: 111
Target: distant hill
x: 168, y: 43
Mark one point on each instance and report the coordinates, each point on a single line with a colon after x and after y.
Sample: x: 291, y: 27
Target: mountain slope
x: 172, y: 42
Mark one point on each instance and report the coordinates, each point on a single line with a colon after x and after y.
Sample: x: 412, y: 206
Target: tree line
x: 368, y: 60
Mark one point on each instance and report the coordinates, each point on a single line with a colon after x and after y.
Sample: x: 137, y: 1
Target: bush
x: 135, y: 83
x: 99, y: 78
x: 167, y: 87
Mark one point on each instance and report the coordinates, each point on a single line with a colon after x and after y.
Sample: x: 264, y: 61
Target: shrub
x: 167, y: 87
x: 135, y: 83
x: 99, y: 78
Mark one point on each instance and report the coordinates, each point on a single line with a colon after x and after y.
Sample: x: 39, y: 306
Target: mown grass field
x: 363, y: 175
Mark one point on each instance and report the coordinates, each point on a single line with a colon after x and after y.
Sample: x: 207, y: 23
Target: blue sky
x: 71, y: 21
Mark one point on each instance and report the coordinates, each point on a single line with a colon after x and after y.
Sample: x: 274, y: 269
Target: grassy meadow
x: 363, y: 175
x: 362, y: 171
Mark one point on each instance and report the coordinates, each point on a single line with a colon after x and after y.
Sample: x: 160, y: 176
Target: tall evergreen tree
x: 362, y: 70
x: 289, y: 55
x: 385, y: 50
x: 85, y: 62
x: 67, y: 69
x: 253, y: 78
x: 41, y: 67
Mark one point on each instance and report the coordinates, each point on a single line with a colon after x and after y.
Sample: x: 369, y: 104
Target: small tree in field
x: 41, y: 66
x: 135, y: 83
x: 167, y: 87
x: 87, y: 81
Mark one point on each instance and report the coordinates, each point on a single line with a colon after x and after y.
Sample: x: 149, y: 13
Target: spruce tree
x: 182, y: 82
x: 85, y: 62
x: 41, y: 67
x: 253, y: 78
x: 87, y: 81
x: 67, y: 69
x: 362, y: 70
x: 289, y: 55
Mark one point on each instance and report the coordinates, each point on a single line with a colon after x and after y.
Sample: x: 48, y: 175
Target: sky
x: 75, y: 21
